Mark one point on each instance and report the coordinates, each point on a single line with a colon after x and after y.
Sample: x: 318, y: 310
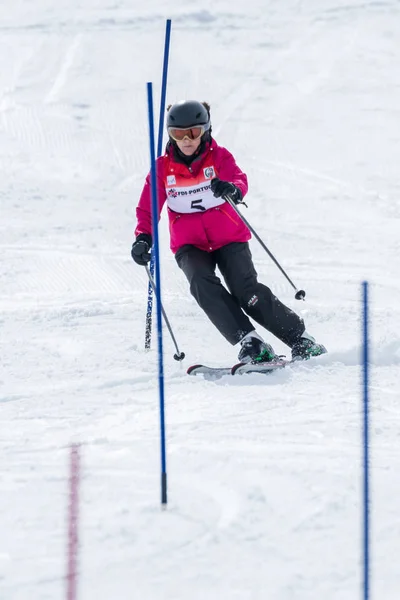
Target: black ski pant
x: 226, y: 309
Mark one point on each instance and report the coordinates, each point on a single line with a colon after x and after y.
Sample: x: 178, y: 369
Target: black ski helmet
x: 188, y: 113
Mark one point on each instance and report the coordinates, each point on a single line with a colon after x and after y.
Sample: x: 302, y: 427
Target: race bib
x: 191, y: 195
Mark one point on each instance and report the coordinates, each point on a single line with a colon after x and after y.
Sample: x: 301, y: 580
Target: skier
x: 193, y: 176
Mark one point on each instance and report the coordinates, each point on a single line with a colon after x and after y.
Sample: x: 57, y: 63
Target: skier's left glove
x: 222, y: 188
x: 141, y: 249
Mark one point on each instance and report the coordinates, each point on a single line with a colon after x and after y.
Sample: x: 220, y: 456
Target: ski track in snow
x: 263, y: 471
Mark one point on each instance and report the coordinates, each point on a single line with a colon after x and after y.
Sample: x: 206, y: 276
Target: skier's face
x: 187, y: 146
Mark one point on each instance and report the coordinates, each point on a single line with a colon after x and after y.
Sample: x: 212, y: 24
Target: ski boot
x: 255, y: 351
x: 306, y: 347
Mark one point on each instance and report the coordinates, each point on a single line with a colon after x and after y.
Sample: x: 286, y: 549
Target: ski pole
x: 179, y: 355
x: 300, y: 294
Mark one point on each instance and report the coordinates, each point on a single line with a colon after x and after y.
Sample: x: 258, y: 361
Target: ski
x: 268, y: 367
x: 238, y: 369
x: 209, y: 372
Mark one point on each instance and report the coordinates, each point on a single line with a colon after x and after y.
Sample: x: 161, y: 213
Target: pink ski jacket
x: 195, y: 216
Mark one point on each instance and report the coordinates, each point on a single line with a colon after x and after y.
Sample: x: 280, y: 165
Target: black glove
x: 141, y: 249
x: 222, y: 188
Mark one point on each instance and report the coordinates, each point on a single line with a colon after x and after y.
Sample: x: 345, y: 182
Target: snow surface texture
x: 264, y: 473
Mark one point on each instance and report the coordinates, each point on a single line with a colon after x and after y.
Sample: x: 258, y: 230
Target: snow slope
x: 264, y: 473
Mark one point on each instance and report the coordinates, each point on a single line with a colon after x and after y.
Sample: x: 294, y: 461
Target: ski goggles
x: 192, y: 133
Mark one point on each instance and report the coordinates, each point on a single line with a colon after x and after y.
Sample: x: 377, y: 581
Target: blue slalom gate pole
x: 156, y: 253
x: 164, y: 86
x: 147, y: 337
x: 365, y: 444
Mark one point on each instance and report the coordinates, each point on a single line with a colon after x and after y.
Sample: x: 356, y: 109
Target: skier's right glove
x: 141, y: 249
